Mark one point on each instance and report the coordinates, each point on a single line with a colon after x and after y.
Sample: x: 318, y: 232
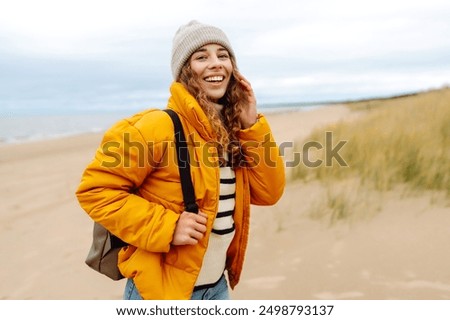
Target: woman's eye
x: 223, y: 56
x: 201, y: 58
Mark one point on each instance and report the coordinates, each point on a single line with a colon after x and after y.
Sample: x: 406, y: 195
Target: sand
x: 399, y: 252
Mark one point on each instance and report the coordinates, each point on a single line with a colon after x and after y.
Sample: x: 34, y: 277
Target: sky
x: 97, y: 56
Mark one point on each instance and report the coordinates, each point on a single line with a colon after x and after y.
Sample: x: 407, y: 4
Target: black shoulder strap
x: 183, y: 163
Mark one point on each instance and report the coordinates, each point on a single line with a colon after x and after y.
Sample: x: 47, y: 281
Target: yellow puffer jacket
x: 132, y: 187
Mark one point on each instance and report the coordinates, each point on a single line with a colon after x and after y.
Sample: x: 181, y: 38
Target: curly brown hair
x: 225, y: 124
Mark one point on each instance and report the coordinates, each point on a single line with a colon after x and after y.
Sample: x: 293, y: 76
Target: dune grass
x: 399, y: 141
x: 403, y: 140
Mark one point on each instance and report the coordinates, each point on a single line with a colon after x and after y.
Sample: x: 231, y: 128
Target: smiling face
x: 213, y: 66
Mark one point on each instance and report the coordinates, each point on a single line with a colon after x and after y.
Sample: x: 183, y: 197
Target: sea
x: 20, y: 128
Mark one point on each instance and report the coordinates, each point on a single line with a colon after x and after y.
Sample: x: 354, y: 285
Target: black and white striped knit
x: 222, y: 233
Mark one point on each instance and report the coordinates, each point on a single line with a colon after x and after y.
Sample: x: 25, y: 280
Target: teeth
x: 215, y: 78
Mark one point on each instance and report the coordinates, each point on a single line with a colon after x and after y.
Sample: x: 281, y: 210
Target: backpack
x: 103, y: 254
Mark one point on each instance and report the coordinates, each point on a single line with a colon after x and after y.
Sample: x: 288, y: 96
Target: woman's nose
x: 215, y: 62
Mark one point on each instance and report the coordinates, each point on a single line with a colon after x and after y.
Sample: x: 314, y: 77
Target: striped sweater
x: 222, y: 233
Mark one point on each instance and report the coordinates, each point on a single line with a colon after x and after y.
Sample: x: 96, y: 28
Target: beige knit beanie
x: 192, y: 36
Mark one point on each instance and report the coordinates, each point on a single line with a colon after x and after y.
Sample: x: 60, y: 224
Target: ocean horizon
x: 20, y: 128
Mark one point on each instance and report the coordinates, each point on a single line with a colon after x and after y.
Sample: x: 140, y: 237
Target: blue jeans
x: 218, y: 292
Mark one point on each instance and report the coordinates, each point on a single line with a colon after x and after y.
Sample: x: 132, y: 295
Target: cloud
x: 103, y: 53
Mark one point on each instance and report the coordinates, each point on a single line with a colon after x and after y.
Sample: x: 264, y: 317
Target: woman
x: 132, y: 187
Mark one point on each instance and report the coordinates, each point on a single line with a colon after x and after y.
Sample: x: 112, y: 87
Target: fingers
x: 199, y: 227
x: 245, y: 83
x: 188, y: 241
x: 248, y: 116
x: 201, y: 218
x: 190, y: 228
x: 247, y: 86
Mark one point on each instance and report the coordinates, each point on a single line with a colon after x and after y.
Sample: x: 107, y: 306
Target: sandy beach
x: 399, y: 252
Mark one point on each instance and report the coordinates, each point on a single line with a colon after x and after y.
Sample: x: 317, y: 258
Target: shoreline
x: 96, y: 123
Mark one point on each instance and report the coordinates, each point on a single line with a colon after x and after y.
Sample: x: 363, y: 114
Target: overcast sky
x: 77, y: 56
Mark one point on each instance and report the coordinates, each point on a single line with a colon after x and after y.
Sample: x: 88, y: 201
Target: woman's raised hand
x: 248, y: 115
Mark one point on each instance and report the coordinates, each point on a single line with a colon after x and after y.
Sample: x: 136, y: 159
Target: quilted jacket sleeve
x: 265, y: 165
x: 108, y: 184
